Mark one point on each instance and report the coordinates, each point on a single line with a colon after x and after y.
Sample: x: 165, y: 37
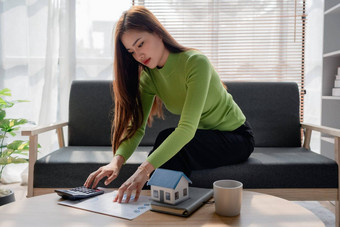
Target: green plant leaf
x: 25, y: 146
x: 16, y: 122
x: 10, y: 160
x: 4, y: 124
x: 17, y: 101
x: 7, y: 152
x: 12, y: 133
x: 2, y: 102
x: 5, y: 104
x: 2, y: 114
x: 21, y: 152
x: 16, y: 145
x: 5, y: 92
x: 9, y: 125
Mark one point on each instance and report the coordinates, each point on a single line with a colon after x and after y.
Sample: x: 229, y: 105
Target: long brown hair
x: 128, y: 115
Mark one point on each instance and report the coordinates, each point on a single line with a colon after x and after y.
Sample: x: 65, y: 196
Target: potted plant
x: 15, y: 151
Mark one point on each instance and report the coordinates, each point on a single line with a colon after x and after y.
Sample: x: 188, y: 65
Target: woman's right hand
x: 110, y: 171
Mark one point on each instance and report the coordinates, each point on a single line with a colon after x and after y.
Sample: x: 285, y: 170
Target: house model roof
x: 167, y: 178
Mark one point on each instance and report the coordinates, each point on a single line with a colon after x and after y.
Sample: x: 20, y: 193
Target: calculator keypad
x: 78, y: 192
x: 84, y: 189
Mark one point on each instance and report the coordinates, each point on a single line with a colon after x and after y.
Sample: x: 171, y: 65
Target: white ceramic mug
x: 228, y: 197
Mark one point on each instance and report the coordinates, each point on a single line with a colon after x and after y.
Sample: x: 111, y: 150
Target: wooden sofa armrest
x: 41, y: 129
x: 33, y: 147
x: 326, y: 130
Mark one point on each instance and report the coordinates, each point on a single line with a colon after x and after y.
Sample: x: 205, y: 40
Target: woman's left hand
x: 134, y: 183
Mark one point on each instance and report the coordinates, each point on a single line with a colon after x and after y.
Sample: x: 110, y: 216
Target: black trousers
x: 210, y: 149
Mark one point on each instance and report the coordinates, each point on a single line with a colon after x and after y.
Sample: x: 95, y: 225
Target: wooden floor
x: 21, y: 191
x: 329, y: 205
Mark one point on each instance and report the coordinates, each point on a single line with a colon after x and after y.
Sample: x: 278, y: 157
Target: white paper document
x: 104, y: 204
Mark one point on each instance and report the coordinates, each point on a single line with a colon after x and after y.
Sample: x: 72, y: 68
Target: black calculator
x: 78, y: 193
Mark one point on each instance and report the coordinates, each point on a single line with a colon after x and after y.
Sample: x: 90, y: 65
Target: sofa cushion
x: 266, y: 168
x: 70, y: 166
x: 293, y: 167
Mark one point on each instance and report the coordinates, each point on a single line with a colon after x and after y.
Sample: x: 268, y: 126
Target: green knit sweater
x: 190, y: 87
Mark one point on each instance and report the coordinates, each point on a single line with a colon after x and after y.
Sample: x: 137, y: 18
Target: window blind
x: 245, y: 40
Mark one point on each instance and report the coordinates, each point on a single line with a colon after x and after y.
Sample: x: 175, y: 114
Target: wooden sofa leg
x: 337, y: 214
x: 33, y: 146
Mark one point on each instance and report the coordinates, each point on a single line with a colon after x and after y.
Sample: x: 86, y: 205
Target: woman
x: 212, y: 130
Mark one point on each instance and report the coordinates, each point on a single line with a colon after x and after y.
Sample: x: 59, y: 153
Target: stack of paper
x: 104, y: 204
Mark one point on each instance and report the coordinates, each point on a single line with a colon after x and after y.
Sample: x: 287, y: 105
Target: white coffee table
x: 257, y: 210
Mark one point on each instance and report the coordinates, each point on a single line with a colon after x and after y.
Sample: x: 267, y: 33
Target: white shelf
x: 334, y: 9
x: 331, y: 97
x: 332, y: 54
x: 327, y: 139
x: 331, y: 60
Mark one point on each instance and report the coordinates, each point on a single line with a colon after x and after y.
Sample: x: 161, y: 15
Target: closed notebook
x: 198, y: 196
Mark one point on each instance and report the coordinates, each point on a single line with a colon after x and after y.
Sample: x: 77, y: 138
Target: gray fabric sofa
x: 280, y: 165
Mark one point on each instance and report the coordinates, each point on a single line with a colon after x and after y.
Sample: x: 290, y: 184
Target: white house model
x: 169, y: 186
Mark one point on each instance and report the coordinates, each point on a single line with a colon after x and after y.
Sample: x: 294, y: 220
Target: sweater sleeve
x: 129, y: 146
x: 198, y: 74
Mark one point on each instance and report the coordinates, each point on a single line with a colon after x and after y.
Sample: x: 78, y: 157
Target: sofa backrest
x: 91, y: 111
x: 272, y: 108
